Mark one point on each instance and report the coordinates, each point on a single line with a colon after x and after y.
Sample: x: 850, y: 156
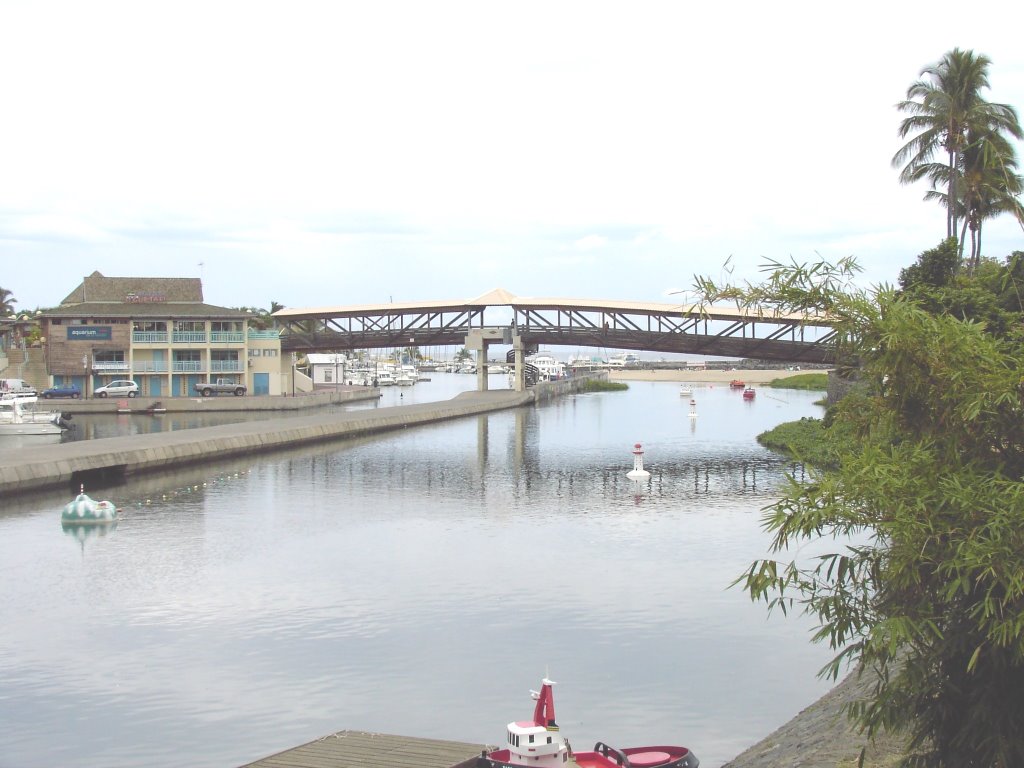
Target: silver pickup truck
x: 219, y: 387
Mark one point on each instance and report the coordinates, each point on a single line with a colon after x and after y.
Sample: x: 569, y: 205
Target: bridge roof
x: 499, y: 297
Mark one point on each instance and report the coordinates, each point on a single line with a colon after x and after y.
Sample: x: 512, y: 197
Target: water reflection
x: 83, y: 533
x: 413, y: 582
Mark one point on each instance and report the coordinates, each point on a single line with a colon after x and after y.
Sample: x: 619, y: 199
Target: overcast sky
x: 359, y: 152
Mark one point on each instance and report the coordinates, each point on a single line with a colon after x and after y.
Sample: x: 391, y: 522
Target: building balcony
x: 227, y: 337
x: 105, y: 366
x: 226, y: 366
x: 189, y: 337
x: 149, y: 366
x: 188, y: 366
x: 149, y: 337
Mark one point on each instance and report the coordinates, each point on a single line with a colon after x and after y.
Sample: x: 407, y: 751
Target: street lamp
x: 85, y: 374
x: 336, y: 372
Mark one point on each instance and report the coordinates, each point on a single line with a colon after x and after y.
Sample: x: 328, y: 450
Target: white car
x: 121, y: 388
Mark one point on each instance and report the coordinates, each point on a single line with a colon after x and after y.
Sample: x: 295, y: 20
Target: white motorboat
x: 548, y: 368
x: 18, y: 416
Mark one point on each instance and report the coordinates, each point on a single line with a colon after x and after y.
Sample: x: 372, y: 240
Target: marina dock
x: 356, y: 749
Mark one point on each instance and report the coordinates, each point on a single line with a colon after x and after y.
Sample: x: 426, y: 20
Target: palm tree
x: 944, y: 109
x: 989, y: 185
x: 7, y: 302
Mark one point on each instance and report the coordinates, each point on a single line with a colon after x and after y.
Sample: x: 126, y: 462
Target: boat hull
x: 30, y: 428
x: 608, y: 757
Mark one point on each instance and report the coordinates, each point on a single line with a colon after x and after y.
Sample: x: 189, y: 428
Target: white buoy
x: 638, y: 472
x: 693, y: 409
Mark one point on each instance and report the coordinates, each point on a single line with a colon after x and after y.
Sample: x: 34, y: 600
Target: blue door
x: 261, y: 383
x: 156, y: 386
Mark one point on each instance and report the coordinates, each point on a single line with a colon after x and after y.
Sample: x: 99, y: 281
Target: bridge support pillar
x: 519, y: 377
x: 478, y: 340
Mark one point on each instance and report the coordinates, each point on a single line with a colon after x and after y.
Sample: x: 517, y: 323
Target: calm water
x: 416, y: 583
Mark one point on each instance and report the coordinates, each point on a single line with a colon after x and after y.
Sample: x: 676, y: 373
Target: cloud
x: 590, y: 243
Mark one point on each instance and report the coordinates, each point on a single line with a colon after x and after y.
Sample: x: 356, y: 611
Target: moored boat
x: 748, y: 393
x: 737, y: 384
x: 83, y: 510
x: 18, y: 416
x: 539, y: 742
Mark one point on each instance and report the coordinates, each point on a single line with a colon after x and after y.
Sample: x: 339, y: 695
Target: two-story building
x: 158, y: 332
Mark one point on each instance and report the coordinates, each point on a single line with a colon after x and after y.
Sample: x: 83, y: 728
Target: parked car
x: 63, y: 390
x: 120, y: 388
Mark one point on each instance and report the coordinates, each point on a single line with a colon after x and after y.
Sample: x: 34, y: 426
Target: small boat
x: 18, y: 416
x: 748, y: 393
x: 540, y: 743
x: 685, y: 391
x: 83, y: 510
x: 736, y: 384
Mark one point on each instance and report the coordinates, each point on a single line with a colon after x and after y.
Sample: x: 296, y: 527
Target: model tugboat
x: 538, y: 742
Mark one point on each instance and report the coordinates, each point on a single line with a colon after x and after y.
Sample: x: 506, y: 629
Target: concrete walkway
x: 112, y: 459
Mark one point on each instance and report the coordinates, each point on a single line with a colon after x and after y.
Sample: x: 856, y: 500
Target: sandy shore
x: 746, y: 376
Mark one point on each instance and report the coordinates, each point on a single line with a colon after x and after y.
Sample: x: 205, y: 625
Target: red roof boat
x: 748, y: 393
x: 538, y: 742
x: 736, y: 384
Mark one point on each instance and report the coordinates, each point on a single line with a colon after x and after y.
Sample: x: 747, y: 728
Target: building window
x: 190, y: 326
x: 149, y: 326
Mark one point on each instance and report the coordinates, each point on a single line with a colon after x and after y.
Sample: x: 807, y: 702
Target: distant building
x: 329, y: 369
x: 159, y: 332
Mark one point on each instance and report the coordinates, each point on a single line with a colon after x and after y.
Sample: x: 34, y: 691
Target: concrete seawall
x: 211, y: 404
x: 112, y: 459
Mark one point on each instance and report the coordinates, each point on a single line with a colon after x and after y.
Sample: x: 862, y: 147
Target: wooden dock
x: 357, y: 749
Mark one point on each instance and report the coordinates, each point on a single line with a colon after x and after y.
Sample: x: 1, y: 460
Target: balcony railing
x: 149, y: 337
x: 104, y: 366
x: 227, y: 337
x: 189, y: 337
x: 187, y: 366
x: 226, y: 366
x: 150, y: 366
x: 265, y: 335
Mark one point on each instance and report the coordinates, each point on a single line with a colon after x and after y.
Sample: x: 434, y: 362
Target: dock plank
x: 361, y: 749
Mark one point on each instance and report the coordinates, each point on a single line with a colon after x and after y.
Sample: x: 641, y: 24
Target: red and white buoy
x: 638, y: 472
x: 693, y: 409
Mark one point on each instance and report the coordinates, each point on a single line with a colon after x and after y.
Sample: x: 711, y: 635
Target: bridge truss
x: 655, y: 327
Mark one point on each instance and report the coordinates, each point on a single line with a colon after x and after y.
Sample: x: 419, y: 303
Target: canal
x: 416, y: 583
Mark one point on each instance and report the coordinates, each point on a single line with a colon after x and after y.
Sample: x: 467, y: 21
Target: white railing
x: 227, y: 337
x: 187, y: 366
x: 150, y: 366
x: 102, y: 366
x: 189, y: 337
x: 226, y: 366
x: 149, y: 337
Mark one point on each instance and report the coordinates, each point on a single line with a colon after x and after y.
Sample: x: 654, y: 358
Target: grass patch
x: 804, y: 440
x: 603, y: 385
x: 803, y: 381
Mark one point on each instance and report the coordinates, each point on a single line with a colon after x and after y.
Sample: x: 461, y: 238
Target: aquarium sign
x: 89, y: 333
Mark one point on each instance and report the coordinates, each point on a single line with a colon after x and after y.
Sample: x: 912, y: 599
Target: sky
x: 334, y: 153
